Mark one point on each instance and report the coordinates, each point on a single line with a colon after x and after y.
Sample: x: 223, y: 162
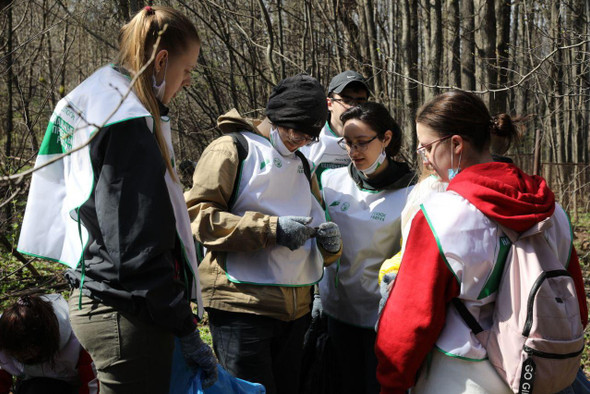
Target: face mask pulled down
x: 278, y: 144
x: 160, y: 89
x: 376, y: 164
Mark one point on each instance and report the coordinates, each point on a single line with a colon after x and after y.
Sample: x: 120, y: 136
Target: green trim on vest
x: 460, y: 357
x: 440, y: 249
x: 41, y: 257
x: 569, y: 255
x: 493, y: 281
x: 330, y: 129
x: 233, y: 280
x: 187, y: 263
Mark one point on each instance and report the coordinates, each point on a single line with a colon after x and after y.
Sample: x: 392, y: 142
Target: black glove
x: 199, y: 355
x: 328, y: 236
x: 292, y: 231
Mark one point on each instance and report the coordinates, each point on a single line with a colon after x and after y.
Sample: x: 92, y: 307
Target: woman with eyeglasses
x: 453, y: 248
x: 259, y: 216
x: 365, y: 199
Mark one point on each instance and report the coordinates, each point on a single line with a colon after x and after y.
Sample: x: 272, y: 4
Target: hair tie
x: 149, y: 10
x: 24, y: 301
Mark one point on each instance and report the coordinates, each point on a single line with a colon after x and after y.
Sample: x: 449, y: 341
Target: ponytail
x: 137, y: 41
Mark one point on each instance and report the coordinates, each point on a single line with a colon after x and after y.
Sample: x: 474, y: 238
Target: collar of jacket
x: 395, y: 176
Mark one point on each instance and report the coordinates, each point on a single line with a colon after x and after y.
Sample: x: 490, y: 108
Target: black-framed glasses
x: 359, y: 146
x: 421, y: 151
x: 297, y: 137
x: 349, y: 101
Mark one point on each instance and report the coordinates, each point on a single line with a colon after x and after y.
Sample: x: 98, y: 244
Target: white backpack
x: 537, y: 338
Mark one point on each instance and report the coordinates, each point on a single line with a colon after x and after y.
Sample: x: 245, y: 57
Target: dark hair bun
x: 502, y: 126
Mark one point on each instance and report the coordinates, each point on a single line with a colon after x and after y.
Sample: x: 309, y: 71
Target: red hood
x: 505, y: 194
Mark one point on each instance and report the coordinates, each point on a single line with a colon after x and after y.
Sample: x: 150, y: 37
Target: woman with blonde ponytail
x: 114, y: 212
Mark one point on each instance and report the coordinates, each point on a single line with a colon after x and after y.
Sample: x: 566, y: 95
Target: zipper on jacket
x: 293, y: 289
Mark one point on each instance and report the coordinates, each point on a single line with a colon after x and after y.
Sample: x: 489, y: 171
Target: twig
x: 26, y: 263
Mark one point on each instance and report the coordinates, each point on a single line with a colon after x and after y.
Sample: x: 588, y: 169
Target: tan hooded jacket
x: 220, y: 231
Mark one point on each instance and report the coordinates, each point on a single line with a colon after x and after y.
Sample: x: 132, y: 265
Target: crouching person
x: 40, y: 350
x: 256, y: 209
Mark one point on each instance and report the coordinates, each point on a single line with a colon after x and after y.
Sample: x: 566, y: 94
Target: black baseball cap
x: 342, y: 80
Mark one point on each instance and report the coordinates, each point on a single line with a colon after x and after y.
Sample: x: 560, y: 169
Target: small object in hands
x: 293, y: 232
x: 315, y: 232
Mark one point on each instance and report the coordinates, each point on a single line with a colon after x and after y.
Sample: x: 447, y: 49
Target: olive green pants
x: 130, y: 356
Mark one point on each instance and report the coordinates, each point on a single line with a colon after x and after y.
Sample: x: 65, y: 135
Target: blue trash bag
x: 581, y: 384
x: 184, y: 381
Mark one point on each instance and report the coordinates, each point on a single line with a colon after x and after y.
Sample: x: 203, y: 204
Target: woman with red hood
x: 418, y: 327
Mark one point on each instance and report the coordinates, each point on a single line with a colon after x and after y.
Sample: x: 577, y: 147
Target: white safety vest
x: 474, y: 249
x: 326, y: 153
x: 51, y: 227
x: 275, y: 185
x: 370, y: 225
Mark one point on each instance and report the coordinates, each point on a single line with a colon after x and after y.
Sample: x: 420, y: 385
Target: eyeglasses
x: 359, y: 146
x: 298, y: 138
x: 421, y: 151
x: 349, y: 101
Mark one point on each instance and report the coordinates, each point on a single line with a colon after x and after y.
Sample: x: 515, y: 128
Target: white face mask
x: 159, y: 90
x: 452, y: 172
x: 376, y: 164
x: 277, y: 142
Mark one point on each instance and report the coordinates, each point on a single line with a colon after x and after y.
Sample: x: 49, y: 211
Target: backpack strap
x: 467, y: 316
x: 305, y: 163
x: 242, y: 148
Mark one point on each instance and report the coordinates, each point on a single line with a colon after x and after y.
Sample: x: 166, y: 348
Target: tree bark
x: 467, y: 45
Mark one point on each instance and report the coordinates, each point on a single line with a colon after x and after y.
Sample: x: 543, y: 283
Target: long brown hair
x: 463, y: 113
x: 30, y: 326
x: 136, y: 46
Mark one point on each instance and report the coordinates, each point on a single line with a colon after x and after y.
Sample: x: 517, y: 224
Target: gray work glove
x: 328, y: 236
x: 317, y: 310
x: 385, y: 288
x: 292, y: 231
x: 199, y: 355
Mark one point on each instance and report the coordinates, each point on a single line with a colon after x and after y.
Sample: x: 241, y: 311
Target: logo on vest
x: 278, y: 163
x: 344, y: 207
x: 66, y: 133
x: 263, y: 164
x: 378, y: 216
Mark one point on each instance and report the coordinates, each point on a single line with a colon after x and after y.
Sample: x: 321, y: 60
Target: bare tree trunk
x: 271, y: 41
x: 489, y: 43
x: 455, y: 43
x: 435, y: 46
x: 467, y: 45
x: 409, y: 45
x: 281, y: 37
x: 499, y: 101
x: 556, y: 76
x: 9, y: 85
x: 372, y: 41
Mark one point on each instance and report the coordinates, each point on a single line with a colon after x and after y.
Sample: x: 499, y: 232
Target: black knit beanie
x: 298, y: 103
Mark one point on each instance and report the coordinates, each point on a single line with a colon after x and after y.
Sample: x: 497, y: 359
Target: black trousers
x: 260, y: 349
x: 355, y: 356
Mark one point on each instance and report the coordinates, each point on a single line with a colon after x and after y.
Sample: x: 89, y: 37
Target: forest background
x: 524, y: 57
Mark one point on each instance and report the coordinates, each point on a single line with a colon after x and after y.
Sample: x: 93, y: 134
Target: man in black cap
x: 252, y: 207
x: 346, y: 90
